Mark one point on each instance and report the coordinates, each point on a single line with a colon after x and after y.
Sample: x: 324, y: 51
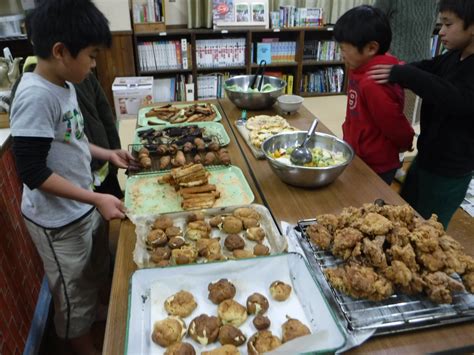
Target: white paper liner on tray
x: 353, y: 338
x: 150, y: 288
x: 273, y: 239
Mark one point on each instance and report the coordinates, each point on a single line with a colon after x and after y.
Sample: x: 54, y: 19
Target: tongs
x: 260, y: 71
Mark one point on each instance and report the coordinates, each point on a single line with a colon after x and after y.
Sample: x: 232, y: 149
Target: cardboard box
x: 130, y: 93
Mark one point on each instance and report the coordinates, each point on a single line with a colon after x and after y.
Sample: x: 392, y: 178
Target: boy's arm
x: 449, y: 98
x: 388, y: 115
x: 119, y: 157
x: 31, y: 154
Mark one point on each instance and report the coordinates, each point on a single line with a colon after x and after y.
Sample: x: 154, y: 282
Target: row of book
x: 327, y: 80
x: 220, y: 53
x: 147, y: 11
x: 289, y: 78
x: 164, y: 55
x: 211, y: 86
x: 275, y: 51
x: 292, y: 16
x: 175, y: 88
x: 321, y: 50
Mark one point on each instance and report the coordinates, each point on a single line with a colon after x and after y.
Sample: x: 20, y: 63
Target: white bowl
x: 290, y: 103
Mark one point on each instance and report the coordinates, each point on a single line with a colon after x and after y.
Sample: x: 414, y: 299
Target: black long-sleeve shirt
x: 446, y: 85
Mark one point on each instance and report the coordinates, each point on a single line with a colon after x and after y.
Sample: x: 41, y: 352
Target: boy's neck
x: 48, y: 70
x: 469, y: 50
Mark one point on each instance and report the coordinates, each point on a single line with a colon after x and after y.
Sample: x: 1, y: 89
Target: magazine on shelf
x: 240, y: 13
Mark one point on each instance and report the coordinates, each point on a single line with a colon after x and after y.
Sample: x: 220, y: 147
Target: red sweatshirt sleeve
x: 387, y: 114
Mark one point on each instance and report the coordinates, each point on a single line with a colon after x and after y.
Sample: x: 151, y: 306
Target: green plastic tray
x: 143, y: 194
x: 215, y: 129
x: 146, y: 121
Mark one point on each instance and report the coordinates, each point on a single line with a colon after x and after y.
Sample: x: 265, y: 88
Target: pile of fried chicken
x: 388, y: 249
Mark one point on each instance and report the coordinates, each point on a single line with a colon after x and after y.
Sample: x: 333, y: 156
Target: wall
x: 21, y: 269
x: 117, y: 12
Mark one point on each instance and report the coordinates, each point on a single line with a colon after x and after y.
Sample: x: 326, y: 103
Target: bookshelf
x: 220, y: 45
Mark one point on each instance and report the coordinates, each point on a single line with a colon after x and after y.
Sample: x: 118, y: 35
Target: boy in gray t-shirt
x: 62, y: 213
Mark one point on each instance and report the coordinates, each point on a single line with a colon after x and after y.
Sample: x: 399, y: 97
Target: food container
x: 273, y: 239
x: 150, y: 287
x: 253, y: 100
x: 290, y: 103
x: 303, y: 176
x: 145, y: 196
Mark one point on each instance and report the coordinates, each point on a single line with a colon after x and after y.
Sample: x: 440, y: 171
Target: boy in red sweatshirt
x: 375, y: 125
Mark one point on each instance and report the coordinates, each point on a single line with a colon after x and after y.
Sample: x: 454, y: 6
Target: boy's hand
x: 123, y: 159
x: 380, y: 73
x: 109, y: 206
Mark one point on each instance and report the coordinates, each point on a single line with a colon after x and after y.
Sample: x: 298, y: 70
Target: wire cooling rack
x: 398, y: 313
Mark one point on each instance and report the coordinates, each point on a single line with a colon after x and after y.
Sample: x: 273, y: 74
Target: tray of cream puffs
x: 245, y: 306
x: 215, y: 234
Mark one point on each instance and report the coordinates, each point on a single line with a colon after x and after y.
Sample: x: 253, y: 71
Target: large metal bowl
x: 253, y: 100
x: 303, y: 176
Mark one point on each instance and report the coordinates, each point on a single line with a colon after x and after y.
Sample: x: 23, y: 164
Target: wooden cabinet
x: 298, y: 63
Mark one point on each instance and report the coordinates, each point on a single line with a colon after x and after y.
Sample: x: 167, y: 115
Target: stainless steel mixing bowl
x: 303, y: 176
x: 254, y: 100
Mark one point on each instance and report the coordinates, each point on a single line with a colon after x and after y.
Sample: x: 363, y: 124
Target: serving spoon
x: 302, y: 155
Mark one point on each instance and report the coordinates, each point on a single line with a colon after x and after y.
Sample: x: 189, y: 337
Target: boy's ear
x: 372, y: 48
x: 59, y: 50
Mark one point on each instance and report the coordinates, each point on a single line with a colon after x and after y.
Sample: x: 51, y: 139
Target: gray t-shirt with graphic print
x: 43, y: 109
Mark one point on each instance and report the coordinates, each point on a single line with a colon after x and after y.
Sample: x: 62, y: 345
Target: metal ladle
x: 302, y: 155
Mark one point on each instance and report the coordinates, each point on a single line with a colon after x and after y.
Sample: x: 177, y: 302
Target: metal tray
x: 145, y: 121
x: 144, y: 196
x: 399, y: 313
x: 273, y: 238
x: 150, y: 287
x: 211, y: 129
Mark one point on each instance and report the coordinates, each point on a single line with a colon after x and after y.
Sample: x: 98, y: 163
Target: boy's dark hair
x: 464, y: 9
x: 76, y: 23
x: 362, y: 25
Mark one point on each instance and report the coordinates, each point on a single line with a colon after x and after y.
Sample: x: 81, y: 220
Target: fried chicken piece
x: 401, y: 215
x: 425, y: 238
x: 360, y: 282
x: 349, y: 216
x: 398, y: 273
x: 319, y: 236
x: 439, y: 287
x: 366, y: 283
x: 337, y: 277
x: 375, y: 224
x: 405, y: 254
x: 399, y: 236
x: 415, y: 286
x: 329, y: 221
x: 449, y: 243
x: 469, y: 261
x: 370, y: 208
x: 468, y: 281
x: 434, y: 261
x: 454, y: 262
x: 344, y: 241
x: 432, y: 222
x: 373, y: 251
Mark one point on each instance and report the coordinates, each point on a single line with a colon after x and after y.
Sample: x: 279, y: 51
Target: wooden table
x: 357, y: 185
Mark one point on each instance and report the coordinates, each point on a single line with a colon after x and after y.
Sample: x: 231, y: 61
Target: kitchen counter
x: 357, y: 185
